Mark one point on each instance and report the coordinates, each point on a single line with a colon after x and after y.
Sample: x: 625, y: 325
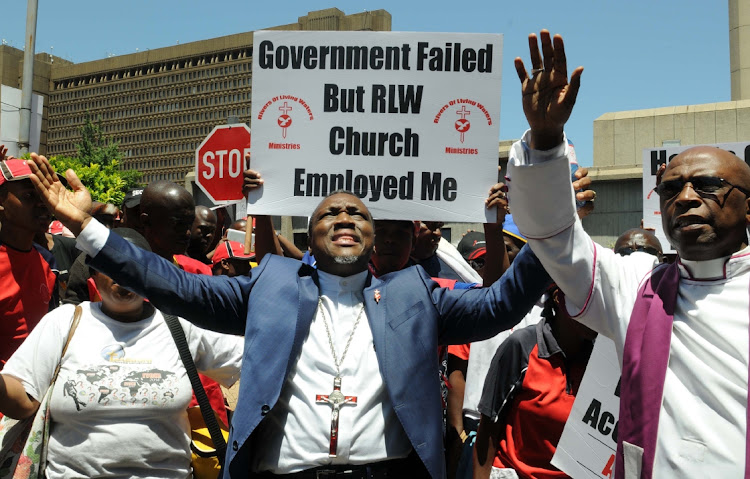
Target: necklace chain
x: 336, y: 361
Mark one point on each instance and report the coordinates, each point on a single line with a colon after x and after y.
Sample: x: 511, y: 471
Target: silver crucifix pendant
x: 336, y: 399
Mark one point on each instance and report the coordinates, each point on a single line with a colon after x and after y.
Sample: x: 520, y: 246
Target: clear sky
x: 636, y: 53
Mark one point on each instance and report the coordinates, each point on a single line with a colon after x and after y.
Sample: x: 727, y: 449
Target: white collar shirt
x: 296, y: 433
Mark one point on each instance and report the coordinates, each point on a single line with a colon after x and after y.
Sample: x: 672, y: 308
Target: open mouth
x: 122, y: 294
x: 345, y: 239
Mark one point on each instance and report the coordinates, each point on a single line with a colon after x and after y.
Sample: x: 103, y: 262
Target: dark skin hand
x: 582, y: 186
x: 457, y: 379
x: 496, y: 260
x: 485, y: 447
x: 70, y: 207
x: 4, y: 153
x: 548, y: 96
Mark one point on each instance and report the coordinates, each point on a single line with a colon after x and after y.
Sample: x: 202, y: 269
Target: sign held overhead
x: 408, y: 122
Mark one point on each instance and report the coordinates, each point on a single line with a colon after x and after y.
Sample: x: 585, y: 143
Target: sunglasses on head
x: 704, y: 186
x: 627, y: 250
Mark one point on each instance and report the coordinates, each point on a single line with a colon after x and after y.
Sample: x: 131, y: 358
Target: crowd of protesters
x: 382, y: 351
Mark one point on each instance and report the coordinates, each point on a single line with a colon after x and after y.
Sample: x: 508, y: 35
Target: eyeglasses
x: 627, y: 250
x: 704, y: 186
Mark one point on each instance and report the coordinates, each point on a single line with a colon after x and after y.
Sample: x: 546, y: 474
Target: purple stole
x: 644, y: 368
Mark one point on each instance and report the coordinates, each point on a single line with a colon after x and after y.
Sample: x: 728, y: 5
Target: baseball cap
x: 510, y: 229
x: 472, y: 245
x: 14, y: 170
x: 132, y: 198
x: 231, y: 250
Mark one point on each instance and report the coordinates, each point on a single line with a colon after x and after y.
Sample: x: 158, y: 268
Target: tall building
x: 159, y: 104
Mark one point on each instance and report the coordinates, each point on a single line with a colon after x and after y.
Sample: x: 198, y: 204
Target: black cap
x: 472, y: 241
x: 132, y: 198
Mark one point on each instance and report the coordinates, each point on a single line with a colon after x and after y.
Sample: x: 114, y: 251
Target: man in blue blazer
x: 279, y: 307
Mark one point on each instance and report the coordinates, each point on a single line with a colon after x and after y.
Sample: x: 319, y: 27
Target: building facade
x: 160, y: 104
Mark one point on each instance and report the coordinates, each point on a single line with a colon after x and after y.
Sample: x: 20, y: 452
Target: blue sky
x: 637, y: 54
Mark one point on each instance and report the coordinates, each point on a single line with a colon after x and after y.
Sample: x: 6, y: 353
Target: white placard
x: 652, y: 159
x: 589, y: 441
x: 407, y: 121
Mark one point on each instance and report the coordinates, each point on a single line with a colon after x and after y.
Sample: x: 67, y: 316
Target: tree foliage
x: 97, y: 165
x: 95, y: 147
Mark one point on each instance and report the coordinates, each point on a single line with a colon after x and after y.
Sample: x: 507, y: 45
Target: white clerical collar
x: 708, y: 269
x: 331, y: 284
x: 718, y: 268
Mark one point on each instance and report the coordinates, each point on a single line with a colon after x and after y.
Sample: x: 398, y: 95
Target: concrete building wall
x: 619, y: 140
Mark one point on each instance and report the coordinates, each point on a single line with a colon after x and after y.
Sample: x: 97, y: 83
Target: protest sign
x: 409, y: 122
x: 652, y: 159
x: 589, y: 441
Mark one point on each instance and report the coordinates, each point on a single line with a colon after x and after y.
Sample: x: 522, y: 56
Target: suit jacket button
x: 264, y: 409
x: 235, y: 446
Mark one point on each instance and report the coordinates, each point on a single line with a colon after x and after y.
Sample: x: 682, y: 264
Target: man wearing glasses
x: 681, y: 330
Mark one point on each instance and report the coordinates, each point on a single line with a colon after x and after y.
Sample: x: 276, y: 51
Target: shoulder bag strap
x: 200, y: 394
x: 73, y: 326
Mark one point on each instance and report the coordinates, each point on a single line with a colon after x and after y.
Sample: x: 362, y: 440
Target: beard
x: 351, y: 259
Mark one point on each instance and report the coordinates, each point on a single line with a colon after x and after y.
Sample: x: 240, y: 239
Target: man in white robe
x: 699, y: 400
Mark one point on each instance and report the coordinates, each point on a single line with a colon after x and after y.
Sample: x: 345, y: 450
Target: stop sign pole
x: 220, y: 161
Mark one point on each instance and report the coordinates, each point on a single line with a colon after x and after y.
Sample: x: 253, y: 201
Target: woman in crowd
x: 118, y: 407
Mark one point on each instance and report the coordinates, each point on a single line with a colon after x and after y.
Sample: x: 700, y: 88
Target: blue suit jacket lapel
x: 376, y: 315
x: 309, y: 292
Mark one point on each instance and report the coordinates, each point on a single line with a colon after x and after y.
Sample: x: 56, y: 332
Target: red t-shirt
x: 461, y: 351
x: 537, y: 418
x: 26, y: 285
x: 192, y: 265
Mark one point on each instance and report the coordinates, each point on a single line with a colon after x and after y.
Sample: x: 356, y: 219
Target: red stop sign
x: 220, y: 161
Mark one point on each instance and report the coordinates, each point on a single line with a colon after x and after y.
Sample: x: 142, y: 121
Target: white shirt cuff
x: 540, y: 193
x: 92, y: 238
x: 528, y: 156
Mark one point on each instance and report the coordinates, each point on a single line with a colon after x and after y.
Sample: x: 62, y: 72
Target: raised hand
x: 70, y: 207
x: 250, y: 178
x: 4, y: 153
x: 498, y: 198
x: 548, y: 97
x: 582, y: 187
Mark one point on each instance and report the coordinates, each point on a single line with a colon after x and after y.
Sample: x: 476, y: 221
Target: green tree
x: 95, y: 147
x: 97, y: 165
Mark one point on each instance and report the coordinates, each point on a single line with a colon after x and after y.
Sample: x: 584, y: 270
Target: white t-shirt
x: 119, y: 404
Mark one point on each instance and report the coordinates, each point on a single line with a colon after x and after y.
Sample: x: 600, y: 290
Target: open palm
x: 70, y: 207
x: 548, y: 96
